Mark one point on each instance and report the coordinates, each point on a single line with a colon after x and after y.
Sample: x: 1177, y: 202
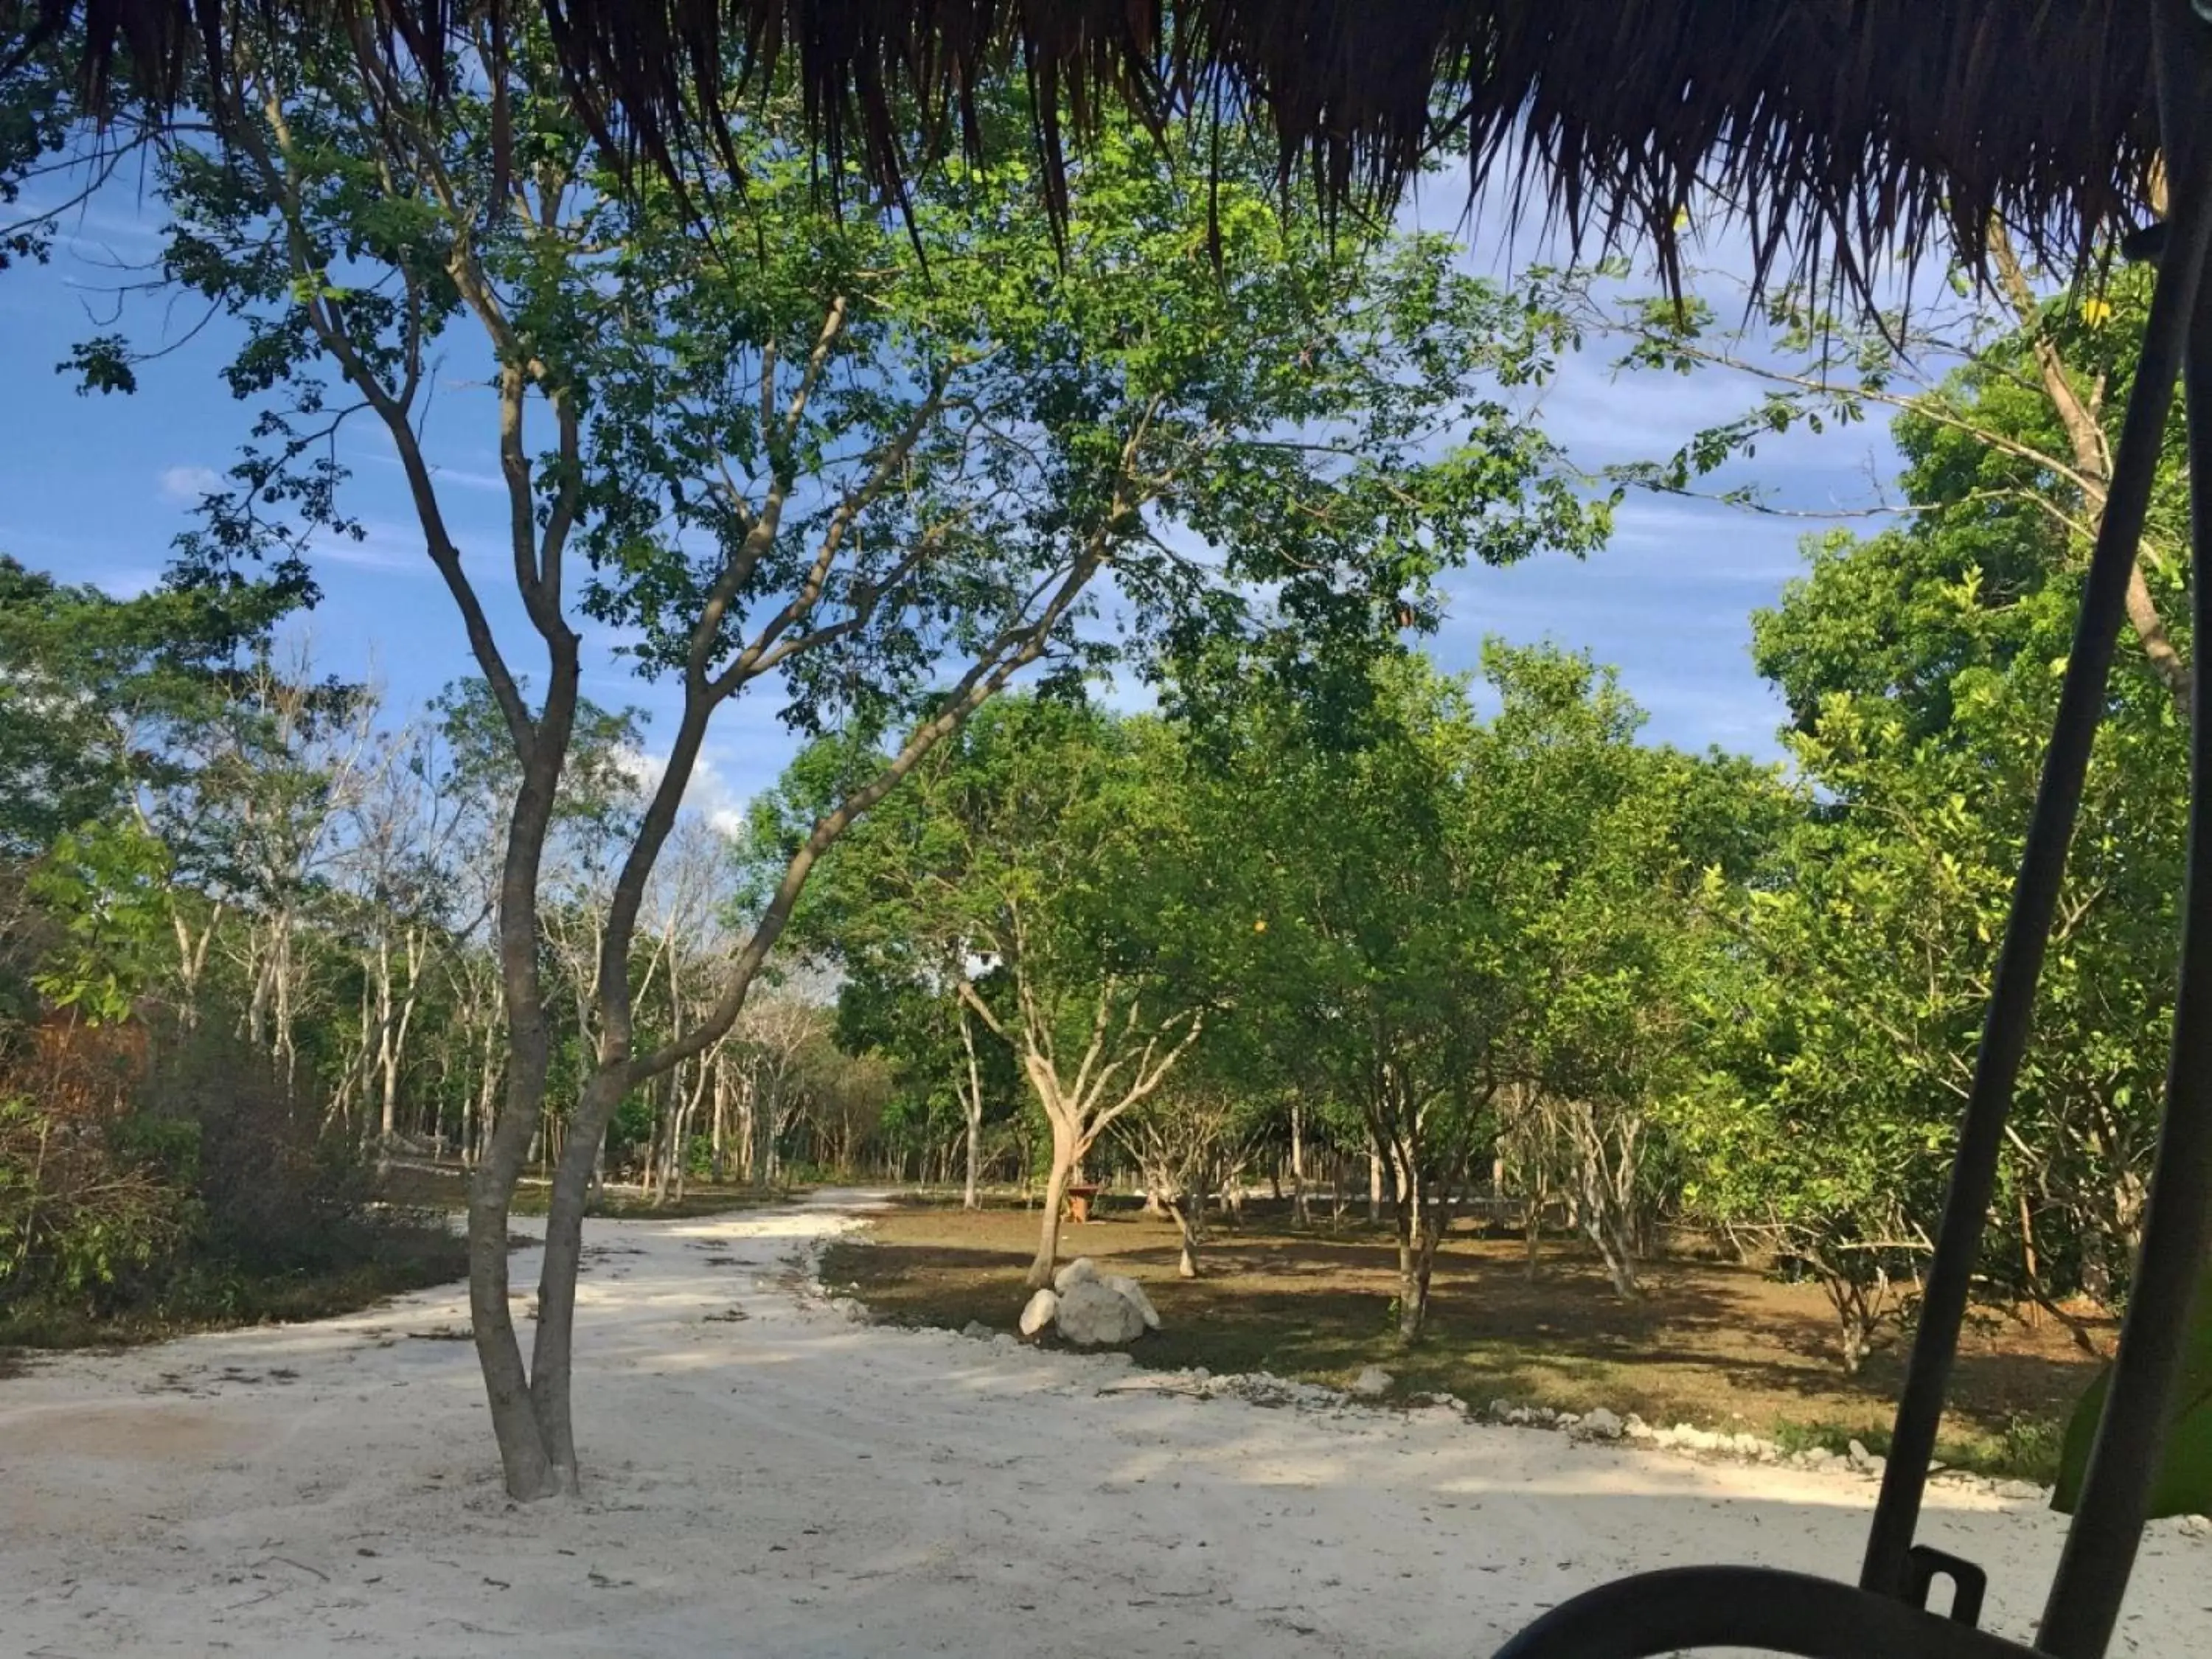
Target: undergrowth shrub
x: 147, y: 1190
x: 87, y: 1217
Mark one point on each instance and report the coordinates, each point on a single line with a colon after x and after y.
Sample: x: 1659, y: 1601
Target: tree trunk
x: 387, y: 1078
x: 1413, y: 1287
x: 528, y: 1469
x: 532, y: 1461
x: 1064, y: 1154
x: 1418, y: 1231
x: 759, y: 1133
x: 721, y: 1118
x: 970, y: 1196
x: 1190, y: 1222
x: 1374, y: 1185
x: 1619, y: 1266
x: 552, y: 1352
x: 1298, y: 1200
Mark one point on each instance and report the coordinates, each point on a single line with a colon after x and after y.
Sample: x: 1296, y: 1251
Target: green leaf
x: 2184, y: 1476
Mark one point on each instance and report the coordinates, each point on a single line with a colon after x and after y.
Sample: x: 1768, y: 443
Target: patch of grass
x: 392, y: 1258
x: 1710, y: 1343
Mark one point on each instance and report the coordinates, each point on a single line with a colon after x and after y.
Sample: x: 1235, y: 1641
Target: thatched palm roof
x: 1836, y: 129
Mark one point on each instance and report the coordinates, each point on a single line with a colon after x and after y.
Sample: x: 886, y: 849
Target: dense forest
x: 947, y: 479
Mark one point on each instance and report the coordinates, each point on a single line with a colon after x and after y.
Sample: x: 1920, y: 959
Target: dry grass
x: 1711, y: 1344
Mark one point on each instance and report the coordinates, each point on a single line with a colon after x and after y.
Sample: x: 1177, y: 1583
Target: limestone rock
x: 1041, y: 1312
x: 1081, y: 1271
x: 976, y: 1330
x: 1602, y: 1424
x: 1371, y: 1383
x: 1134, y: 1293
x: 1092, y: 1315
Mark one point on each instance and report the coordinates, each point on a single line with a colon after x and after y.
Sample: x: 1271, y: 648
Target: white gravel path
x: 793, y: 1484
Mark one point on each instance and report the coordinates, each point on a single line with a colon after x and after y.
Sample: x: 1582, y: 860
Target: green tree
x: 876, y: 462
x: 1633, y: 858
x: 1372, y: 965
x: 1047, y: 850
x: 103, y: 696
x: 1921, y: 668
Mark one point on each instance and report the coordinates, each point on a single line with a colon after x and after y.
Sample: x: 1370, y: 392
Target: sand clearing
x: 791, y: 1483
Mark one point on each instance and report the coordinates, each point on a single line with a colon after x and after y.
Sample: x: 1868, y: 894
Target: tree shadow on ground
x: 1709, y: 1342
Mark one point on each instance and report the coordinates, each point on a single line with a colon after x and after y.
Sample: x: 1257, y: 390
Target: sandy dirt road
x: 791, y: 1483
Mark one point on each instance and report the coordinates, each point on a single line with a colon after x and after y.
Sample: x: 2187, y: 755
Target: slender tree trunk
x: 1421, y: 1222
x: 1619, y: 1266
x: 721, y: 1085
x: 285, y: 1050
x: 1064, y: 1155
x: 387, y: 1120
x: 1190, y: 1223
x: 971, y: 1196
x: 760, y: 1123
x: 1413, y: 1291
x: 1374, y: 1185
x: 1300, y: 1201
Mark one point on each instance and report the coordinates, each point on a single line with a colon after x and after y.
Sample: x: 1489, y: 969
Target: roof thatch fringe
x: 1839, y: 131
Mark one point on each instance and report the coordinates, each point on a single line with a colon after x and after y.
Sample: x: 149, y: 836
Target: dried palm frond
x: 1838, y: 131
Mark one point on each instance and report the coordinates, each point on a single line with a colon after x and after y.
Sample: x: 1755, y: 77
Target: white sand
x: 795, y: 1484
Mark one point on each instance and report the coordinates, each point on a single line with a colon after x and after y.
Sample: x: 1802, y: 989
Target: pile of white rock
x: 1091, y: 1309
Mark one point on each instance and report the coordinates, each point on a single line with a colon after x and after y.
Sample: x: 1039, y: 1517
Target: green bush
x: 199, y: 1192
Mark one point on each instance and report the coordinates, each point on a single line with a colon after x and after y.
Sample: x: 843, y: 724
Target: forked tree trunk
x: 552, y: 1352
x: 533, y: 1460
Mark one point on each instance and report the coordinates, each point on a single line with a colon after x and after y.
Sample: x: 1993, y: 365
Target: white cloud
x: 189, y: 483
x: 381, y: 546
x: 708, y: 793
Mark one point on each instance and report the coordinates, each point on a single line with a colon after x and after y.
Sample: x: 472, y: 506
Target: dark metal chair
x: 1884, y: 1614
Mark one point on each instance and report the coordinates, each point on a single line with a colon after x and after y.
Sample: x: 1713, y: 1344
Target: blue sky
x: 99, y: 486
